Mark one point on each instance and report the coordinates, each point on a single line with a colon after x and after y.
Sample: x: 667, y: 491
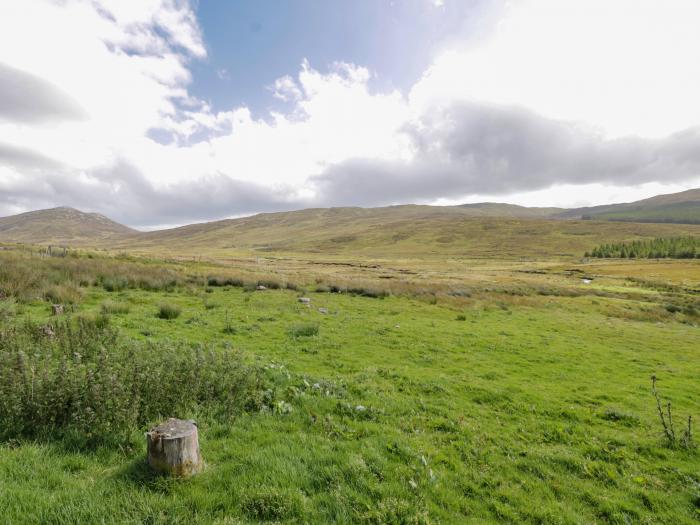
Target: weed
x: 666, y: 419
x: 71, y: 384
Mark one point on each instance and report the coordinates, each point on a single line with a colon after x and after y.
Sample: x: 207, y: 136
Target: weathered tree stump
x: 173, y: 448
x: 56, y: 309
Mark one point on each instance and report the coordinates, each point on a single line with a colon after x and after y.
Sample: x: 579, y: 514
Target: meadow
x: 407, y: 392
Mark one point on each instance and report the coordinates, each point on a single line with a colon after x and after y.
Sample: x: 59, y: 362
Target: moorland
x: 446, y: 368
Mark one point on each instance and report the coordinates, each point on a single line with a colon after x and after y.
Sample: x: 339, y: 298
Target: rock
x: 173, y: 448
x: 323, y: 311
x: 261, y: 287
x: 47, y: 331
x: 304, y: 300
x: 360, y: 408
x: 56, y: 309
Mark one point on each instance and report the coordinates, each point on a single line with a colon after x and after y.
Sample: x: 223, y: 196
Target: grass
x: 169, y: 311
x: 501, y: 405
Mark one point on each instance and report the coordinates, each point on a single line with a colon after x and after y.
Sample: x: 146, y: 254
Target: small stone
x: 323, y: 311
x: 360, y: 408
x: 56, y: 309
x: 261, y: 287
x: 304, y: 300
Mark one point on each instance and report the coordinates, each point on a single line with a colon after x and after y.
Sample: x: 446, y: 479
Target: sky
x: 165, y: 112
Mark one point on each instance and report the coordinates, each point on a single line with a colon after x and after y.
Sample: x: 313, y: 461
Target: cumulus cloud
x: 491, y: 150
x: 27, y: 98
x: 123, y: 193
x: 96, y: 113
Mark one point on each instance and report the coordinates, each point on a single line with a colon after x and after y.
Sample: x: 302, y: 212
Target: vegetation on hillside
x: 682, y: 213
x: 660, y: 248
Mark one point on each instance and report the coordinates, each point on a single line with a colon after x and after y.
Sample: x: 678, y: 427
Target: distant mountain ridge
x: 337, y: 229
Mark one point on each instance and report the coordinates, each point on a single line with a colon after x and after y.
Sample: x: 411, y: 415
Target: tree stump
x: 173, y: 448
x: 56, y: 309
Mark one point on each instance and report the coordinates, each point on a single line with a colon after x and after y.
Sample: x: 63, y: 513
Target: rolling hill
x: 679, y: 208
x: 60, y: 226
x: 469, y: 230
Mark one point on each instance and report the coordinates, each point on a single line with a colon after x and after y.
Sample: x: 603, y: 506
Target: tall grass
x: 26, y: 276
x: 87, y: 382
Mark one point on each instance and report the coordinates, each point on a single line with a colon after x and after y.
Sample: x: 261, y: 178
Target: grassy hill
x: 404, y: 231
x: 411, y: 231
x: 680, y: 208
x: 60, y: 226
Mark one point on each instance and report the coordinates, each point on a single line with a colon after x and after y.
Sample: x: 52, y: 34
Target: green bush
x: 85, y: 381
x: 169, y: 311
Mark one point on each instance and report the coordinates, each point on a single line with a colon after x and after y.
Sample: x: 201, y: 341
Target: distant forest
x: 662, y: 248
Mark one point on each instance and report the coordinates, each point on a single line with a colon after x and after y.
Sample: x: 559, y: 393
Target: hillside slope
x: 679, y: 208
x: 396, y: 232
x: 60, y: 226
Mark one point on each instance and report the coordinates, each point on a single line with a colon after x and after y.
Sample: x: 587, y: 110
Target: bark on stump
x: 173, y: 448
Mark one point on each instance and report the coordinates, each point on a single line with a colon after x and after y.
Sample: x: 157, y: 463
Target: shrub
x: 169, y: 311
x: 85, y: 381
x: 113, y: 307
x: 303, y: 330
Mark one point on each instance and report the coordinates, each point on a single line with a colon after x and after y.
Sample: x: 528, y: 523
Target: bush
x: 169, y: 311
x: 85, y: 381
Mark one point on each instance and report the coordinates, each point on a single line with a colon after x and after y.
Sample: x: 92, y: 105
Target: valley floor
x: 524, y: 397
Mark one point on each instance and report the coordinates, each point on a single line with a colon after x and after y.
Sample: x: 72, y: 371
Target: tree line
x: 660, y: 248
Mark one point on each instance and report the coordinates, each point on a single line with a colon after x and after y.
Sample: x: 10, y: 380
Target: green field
x: 526, y: 402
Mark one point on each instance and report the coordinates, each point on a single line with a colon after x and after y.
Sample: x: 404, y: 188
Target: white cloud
x: 624, y: 66
x: 613, y: 69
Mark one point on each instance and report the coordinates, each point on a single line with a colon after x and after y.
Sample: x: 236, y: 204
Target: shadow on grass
x: 138, y: 472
